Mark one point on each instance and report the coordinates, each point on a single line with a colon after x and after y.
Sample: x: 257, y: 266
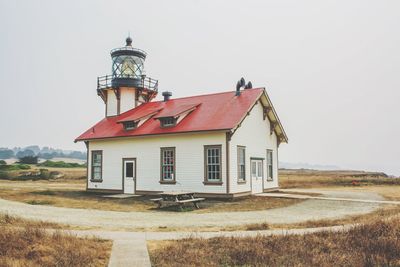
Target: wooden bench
x: 191, y: 200
x: 177, y: 198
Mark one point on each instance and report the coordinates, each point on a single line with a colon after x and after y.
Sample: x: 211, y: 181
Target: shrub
x: 44, y: 174
x: 39, y: 202
x: 3, y: 175
x: 14, y: 167
x: 60, y: 164
x: 28, y: 160
x: 2, y: 162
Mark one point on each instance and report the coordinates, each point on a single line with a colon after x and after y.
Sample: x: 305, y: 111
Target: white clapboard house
x: 217, y: 145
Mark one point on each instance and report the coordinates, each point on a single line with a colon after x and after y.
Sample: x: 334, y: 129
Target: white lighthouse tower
x: 127, y: 86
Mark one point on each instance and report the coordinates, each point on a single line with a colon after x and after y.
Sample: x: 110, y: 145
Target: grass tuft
x: 374, y: 244
x: 33, y: 246
x: 39, y: 202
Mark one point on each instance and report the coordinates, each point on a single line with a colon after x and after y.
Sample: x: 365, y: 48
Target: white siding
x: 189, y: 161
x: 254, y: 134
x: 127, y: 99
x: 112, y: 104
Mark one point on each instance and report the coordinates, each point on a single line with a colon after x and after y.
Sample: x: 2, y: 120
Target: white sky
x: 331, y: 68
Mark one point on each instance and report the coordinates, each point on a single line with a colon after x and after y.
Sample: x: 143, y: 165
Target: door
x: 257, y: 173
x: 129, y: 175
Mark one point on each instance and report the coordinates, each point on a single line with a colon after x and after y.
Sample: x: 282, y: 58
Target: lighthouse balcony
x: 142, y: 82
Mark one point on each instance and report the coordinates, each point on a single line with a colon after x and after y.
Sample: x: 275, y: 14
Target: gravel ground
x: 306, y: 210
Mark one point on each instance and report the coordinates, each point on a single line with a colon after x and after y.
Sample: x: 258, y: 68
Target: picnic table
x: 177, y: 198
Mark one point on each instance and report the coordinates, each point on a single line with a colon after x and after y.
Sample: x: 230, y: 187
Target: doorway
x: 257, y: 174
x: 129, y: 175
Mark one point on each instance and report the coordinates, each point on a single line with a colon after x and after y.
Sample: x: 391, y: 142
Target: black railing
x: 144, y: 82
x: 129, y: 48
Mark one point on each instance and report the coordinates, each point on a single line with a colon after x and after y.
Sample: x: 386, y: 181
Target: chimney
x: 166, y: 95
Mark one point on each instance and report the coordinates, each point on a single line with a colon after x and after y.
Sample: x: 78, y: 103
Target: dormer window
x: 168, y: 121
x: 130, y: 125
x: 172, y: 114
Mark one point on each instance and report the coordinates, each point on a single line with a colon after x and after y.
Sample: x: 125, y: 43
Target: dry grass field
x: 314, y: 178
x: 27, y: 243
x: 74, y: 196
x: 374, y: 244
x: 69, y: 191
x: 389, y: 188
x: 68, y: 175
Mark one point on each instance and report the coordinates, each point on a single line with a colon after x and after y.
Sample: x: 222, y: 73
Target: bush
x: 28, y: 160
x: 2, y: 162
x: 3, y: 175
x: 44, y: 174
x: 60, y: 164
x: 14, y: 167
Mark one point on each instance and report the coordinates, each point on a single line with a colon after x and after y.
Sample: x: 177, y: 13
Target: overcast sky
x: 331, y: 68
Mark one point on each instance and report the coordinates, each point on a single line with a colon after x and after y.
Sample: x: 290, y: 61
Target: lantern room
x: 127, y: 86
x: 127, y: 65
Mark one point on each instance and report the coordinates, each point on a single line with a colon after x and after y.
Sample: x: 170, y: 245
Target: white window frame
x: 270, y: 165
x: 213, y: 164
x: 241, y: 163
x: 168, y: 162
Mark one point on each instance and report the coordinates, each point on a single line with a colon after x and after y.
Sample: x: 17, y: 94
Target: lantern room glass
x: 127, y: 67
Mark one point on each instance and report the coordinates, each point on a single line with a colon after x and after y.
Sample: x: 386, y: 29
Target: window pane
x: 167, y: 164
x: 241, y: 163
x: 213, y: 163
x: 270, y: 164
x: 259, y: 169
x: 96, y: 165
x: 129, y: 169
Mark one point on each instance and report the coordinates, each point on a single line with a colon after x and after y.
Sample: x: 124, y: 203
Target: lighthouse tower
x: 127, y: 86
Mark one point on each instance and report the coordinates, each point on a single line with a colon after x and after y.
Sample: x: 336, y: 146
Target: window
x: 97, y: 164
x: 130, y: 125
x: 241, y: 151
x: 212, y: 159
x: 259, y: 169
x: 270, y: 169
x: 168, y: 164
x: 253, y: 169
x: 167, y: 121
x: 129, y: 169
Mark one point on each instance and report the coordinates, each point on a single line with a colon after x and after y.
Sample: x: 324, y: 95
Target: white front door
x: 257, y: 173
x: 129, y: 166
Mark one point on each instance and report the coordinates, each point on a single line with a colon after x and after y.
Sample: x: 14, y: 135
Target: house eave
x: 151, y: 135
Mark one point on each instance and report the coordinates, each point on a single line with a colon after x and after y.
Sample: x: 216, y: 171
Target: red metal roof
x: 139, y: 114
x: 175, y: 110
x: 220, y: 111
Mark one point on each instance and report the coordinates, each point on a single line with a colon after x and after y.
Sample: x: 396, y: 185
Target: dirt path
x: 312, y: 209
x: 330, y: 195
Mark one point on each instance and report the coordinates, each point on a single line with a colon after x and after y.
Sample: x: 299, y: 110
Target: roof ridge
x: 219, y: 93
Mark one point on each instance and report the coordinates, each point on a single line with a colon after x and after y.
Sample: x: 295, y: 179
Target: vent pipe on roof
x: 249, y: 85
x: 166, y: 95
x: 240, y: 84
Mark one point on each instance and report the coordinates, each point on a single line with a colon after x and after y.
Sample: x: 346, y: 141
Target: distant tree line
x: 44, y: 153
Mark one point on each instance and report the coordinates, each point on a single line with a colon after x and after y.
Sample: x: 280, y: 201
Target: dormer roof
x: 176, y: 109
